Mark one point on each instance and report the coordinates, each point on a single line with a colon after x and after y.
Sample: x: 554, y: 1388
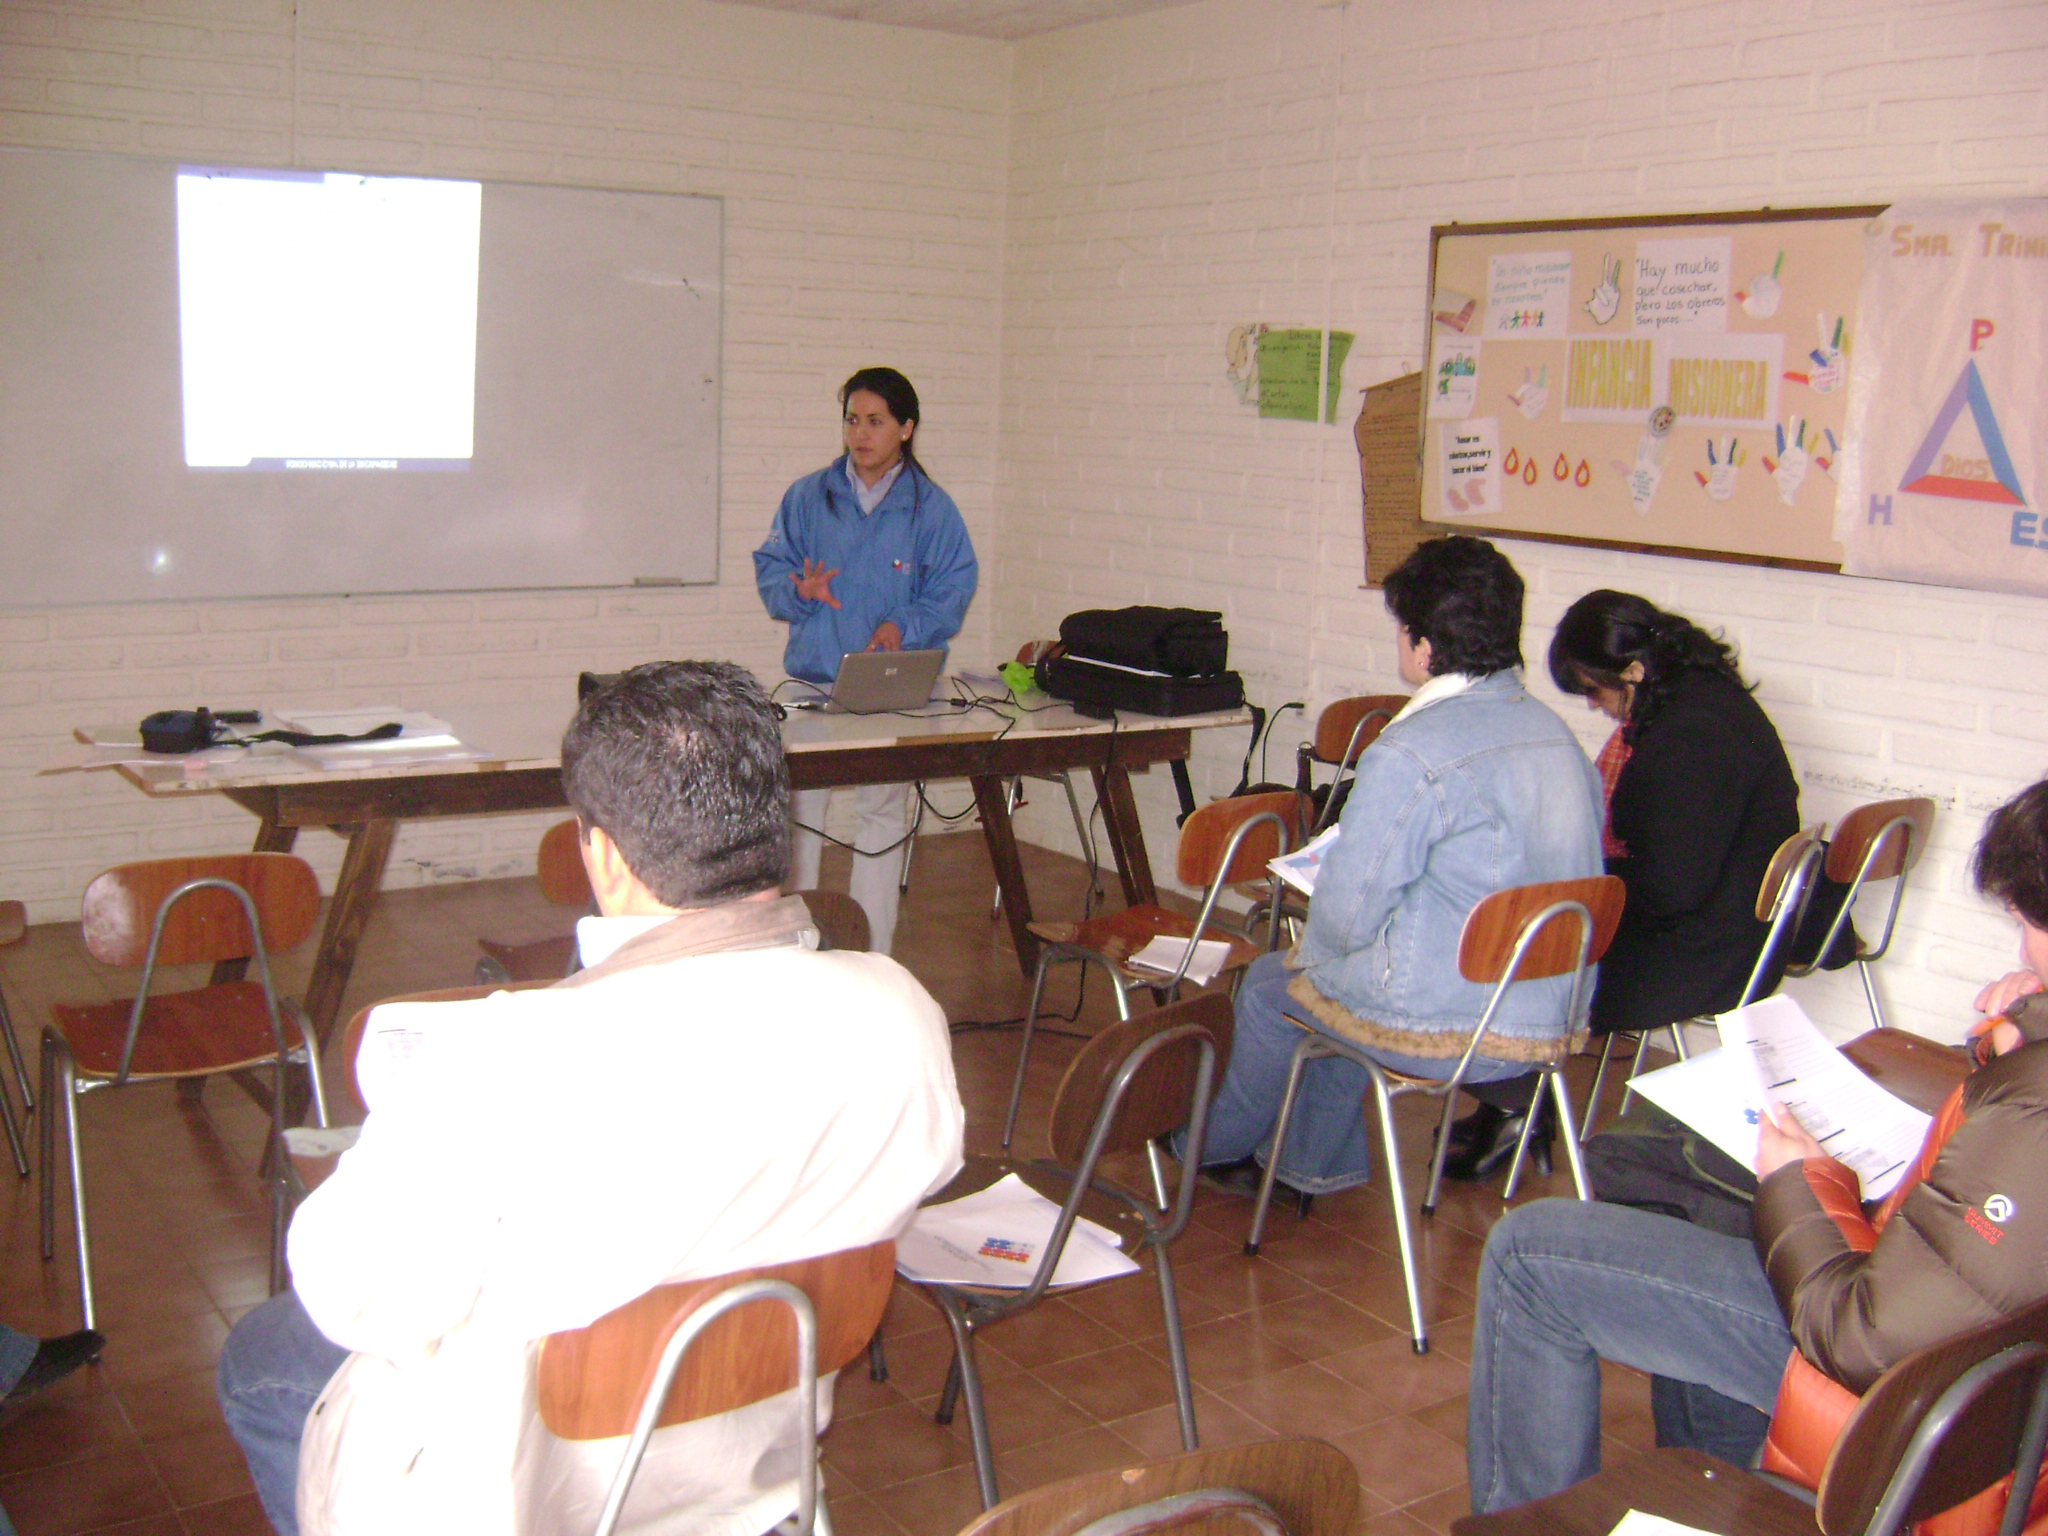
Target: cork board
x: 1390, y: 474
x: 1676, y: 384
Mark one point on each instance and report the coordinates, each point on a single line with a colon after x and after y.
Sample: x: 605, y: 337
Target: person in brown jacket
x: 1825, y: 1297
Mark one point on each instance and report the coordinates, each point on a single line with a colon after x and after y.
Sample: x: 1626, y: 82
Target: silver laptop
x: 875, y: 682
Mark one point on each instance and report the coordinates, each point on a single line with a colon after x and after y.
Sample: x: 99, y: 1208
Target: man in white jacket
x: 709, y: 1094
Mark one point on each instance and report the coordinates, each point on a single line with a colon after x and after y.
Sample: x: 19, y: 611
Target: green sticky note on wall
x: 1290, y: 364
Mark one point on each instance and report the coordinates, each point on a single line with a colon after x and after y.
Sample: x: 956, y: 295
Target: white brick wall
x: 863, y: 172
x: 1066, y: 228
x: 1282, y: 160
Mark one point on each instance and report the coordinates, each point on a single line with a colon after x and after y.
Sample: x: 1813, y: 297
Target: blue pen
x: 1820, y: 358
x: 1831, y: 440
x: 1710, y: 452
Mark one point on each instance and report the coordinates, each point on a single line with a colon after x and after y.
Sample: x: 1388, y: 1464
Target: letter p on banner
x: 1980, y: 332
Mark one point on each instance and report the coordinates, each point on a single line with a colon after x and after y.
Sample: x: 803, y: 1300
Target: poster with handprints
x: 1527, y: 294
x: 1635, y: 367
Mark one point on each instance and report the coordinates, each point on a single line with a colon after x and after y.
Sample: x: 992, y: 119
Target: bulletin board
x: 1677, y: 384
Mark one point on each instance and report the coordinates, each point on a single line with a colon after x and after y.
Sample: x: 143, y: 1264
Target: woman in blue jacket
x: 866, y: 554
x: 1475, y: 786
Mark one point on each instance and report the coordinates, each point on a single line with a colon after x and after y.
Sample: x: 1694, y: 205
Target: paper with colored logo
x: 995, y: 1237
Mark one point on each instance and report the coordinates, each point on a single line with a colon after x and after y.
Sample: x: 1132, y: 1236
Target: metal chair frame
x: 1051, y: 954
x: 62, y: 1086
x: 1893, y: 1507
x: 1902, y: 825
x: 967, y: 1312
x: 810, y: 1509
x: 1388, y: 1087
x: 1348, y: 764
x: 1788, y: 915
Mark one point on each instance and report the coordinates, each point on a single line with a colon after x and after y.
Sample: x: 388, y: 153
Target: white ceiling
x: 977, y: 18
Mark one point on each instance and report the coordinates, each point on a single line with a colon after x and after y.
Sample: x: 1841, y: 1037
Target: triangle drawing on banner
x: 2004, y: 485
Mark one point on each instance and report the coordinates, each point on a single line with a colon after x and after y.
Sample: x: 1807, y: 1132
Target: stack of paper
x: 1163, y: 955
x: 995, y: 1237
x: 424, y: 738
x: 1300, y: 868
x: 1773, y: 1054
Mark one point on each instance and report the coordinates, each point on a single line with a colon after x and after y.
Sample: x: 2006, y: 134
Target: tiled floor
x: 1307, y: 1339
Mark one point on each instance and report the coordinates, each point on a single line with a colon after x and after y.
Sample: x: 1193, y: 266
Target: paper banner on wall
x: 1708, y: 378
x: 1682, y: 285
x: 1527, y: 293
x: 1454, y: 378
x: 1290, y: 364
x: 1469, y: 466
x: 1942, y: 471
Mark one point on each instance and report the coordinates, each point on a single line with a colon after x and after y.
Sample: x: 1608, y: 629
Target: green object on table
x: 1019, y: 678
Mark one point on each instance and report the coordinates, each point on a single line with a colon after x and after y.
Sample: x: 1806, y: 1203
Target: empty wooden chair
x: 1524, y: 933
x: 1301, y: 1487
x: 563, y: 882
x: 1136, y: 1080
x: 1782, y: 899
x: 697, y: 1348
x: 1875, y: 842
x: 1344, y: 729
x: 238, y: 907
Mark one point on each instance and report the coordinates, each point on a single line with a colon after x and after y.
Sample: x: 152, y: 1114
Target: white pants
x: 884, y: 820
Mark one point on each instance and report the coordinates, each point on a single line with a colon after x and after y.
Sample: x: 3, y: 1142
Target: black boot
x: 1475, y: 1128
x: 1485, y: 1153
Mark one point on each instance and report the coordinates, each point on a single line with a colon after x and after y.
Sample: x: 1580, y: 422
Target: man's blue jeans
x: 17, y: 1353
x: 272, y: 1369
x: 1327, y: 1148
x: 1566, y: 1284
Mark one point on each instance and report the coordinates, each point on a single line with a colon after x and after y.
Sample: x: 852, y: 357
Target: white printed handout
x: 1527, y: 294
x: 1454, y: 378
x: 1300, y: 868
x: 1468, y: 471
x: 1162, y: 955
x: 995, y: 1237
x: 1682, y: 285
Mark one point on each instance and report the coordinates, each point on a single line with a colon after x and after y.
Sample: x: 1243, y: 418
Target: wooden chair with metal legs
x: 1879, y: 841
x: 13, y: 928
x: 699, y: 1348
x: 1524, y: 933
x: 1782, y: 897
x: 1136, y: 1080
x: 235, y: 908
x: 563, y: 882
x: 1942, y: 1427
x: 1225, y: 843
x: 1344, y: 729
x: 1271, y: 1487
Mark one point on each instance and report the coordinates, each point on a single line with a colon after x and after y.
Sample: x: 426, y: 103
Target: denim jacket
x: 1476, y: 792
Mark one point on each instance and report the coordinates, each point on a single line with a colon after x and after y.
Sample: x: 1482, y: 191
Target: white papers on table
x: 1636, y: 1523
x: 1772, y: 1053
x: 353, y: 722
x: 423, y: 738
x: 1300, y: 868
x: 995, y: 1237
x: 1163, y: 954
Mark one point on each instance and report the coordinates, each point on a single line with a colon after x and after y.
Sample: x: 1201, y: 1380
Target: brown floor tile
x: 1156, y: 1432
x: 1402, y: 1462
x: 52, y: 1430
x: 854, y: 1515
x: 202, y: 1467
x: 232, y: 1517
x: 1233, y: 1283
x: 1390, y: 1522
x: 1113, y: 1383
x: 1440, y: 1509
x: 936, y: 1505
x: 84, y: 1495
x: 894, y: 1445
x: 1229, y: 1350
x: 1319, y: 1324
x: 1093, y: 1449
x: 1050, y: 1332
x: 1306, y: 1400
x: 172, y: 1406
x: 1392, y: 1372
x: 1022, y: 1410
x: 1447, y: 1418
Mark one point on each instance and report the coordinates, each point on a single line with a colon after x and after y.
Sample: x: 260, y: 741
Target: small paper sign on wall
x: 1470, y: 472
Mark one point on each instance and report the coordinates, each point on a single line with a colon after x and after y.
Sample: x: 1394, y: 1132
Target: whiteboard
x: 1672, y: 383
x: 597, y: 409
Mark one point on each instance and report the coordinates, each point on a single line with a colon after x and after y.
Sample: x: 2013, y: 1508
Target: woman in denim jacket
x: 1474, y: 787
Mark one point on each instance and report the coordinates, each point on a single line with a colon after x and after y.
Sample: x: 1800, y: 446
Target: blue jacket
x: 1476, y: 792
x: 909, y: 562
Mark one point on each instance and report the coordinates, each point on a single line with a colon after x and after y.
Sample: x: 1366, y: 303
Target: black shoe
x: 1476, y: 1128
x: 55, y: 1359
x: 1244, y: 1176
x: 1481, y: 1157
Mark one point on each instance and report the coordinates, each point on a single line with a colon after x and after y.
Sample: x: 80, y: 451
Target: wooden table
x: 523, y: 773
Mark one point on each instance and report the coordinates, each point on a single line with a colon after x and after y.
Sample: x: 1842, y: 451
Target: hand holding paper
x: 1781, y: 1140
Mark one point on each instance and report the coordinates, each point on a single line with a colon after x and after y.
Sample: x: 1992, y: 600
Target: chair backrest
x: 1890, y: 833
x: 352, y: 1035
x: 1205, y: 838
x: 840, y: 920
x: 1347, y: 727
x: 1939, y: 1427
x: 208, y: 926
x: 1495, y: 926
x: 1310, y: 1484
x: 1782, y: 897
x: 563, y: 879
x: 592, y: 1380
x: 1157, y: 1098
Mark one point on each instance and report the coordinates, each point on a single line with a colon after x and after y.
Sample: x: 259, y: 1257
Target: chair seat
x: 1118, y: 935
x: 978, y: 1173
x: 542, y: 960
x: 184, y: 1034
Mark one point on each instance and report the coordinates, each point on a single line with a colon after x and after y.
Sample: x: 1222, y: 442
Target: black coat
x: 1704, y: 801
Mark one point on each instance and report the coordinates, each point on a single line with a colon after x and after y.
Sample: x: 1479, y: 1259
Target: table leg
x: 355, y: 893
x: 992, y: 799
x: 1126, y: 834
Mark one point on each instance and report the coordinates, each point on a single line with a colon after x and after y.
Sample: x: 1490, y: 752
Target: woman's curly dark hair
x: 1604, y: 632
x: 2011, y: 863
x: 1465, y: 598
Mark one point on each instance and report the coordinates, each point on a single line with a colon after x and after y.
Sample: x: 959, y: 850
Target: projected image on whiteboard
x: 327, y: 321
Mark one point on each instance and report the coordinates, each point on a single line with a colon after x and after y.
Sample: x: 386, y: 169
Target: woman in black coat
x: 1700, y: 795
